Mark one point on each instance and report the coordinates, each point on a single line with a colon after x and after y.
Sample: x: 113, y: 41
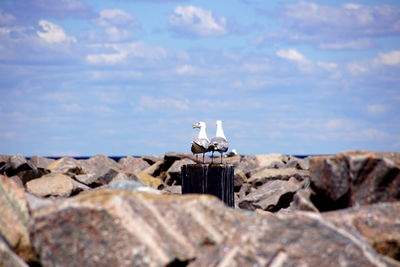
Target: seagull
x: 219, y: 142
x: 201, y: 144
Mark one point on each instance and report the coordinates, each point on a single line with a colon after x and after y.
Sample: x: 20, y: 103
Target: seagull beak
x: 195, y: 125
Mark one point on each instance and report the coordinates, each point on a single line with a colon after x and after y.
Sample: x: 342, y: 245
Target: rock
x: 122, y: 228
x: 239, y: 179
x: 271, y: 160
x: 354, y: 178
x: 377, y: 223
x: 18, y: 165
x: 173, y: 189
x: 41, y: 162
x: 265, y: 175
x: 131, y: 186
x: 17, y: 180
x: 298, y: 163
x: 131, y: 165
x: 8, y: 258
x: 151, y: 159
x: 155, y: 169
x: 149, y: 180
x: 247, y: 164
x: 53, y: 184
x: 271, y: 196
x: 78, y: 187
x: 302, y: 201
x: 35, y: 202
x: 66, y: 165
x: 174, y: 172
x: 14, y: 218
x: 103, y: 169
x: 3, y: 159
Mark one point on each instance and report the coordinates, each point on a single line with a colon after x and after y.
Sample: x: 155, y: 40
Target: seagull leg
x: 212, y: 157
x: 221, y: 157
x: 203, y: 158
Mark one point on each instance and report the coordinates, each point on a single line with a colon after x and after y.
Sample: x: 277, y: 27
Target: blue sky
x: 82, y: 77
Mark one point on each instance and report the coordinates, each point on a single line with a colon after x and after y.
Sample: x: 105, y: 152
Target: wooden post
x: 213, y: 179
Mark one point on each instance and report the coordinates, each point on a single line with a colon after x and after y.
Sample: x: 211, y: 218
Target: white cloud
x: 329, y: 66
x: 390, y: 58
x: 185, y: 69
x: 292, y: 55
x: 357, y: 68
x: 113, y: 17
x: 117, y: 24
x: 162, y: 104
x: 105, y: 58
x: 376, y: 109
x: 197, y: 21
x: 53, y: 33
x: 6, y: 18
x: 348, y: 44
x: 122, y: 51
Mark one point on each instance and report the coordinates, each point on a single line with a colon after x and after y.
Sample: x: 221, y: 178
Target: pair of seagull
x: 203, y: 145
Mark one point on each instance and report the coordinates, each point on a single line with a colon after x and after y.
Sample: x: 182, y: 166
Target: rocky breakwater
x: 339, y: 210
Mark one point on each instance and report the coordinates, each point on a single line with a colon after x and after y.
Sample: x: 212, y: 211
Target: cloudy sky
x: 130, y: 77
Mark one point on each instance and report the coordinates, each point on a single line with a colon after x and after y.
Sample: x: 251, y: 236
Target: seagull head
x: 199, y: 125
x: 219, y: 123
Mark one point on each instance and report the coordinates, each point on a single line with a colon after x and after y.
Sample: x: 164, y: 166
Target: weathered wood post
x: 213, y: 179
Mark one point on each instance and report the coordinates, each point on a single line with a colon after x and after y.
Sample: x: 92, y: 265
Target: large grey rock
x: 131, y: 165
x: 379, y: 224
x: 41, y: 162
x: 66, y: 165
x: 271, y: 196
x: 101, y: 169
x: 266, y: 174
x: 121, y: 228
x: 355, y: 178
x: 174, y: 172
x: 18, y: 165
x: 14, y: 218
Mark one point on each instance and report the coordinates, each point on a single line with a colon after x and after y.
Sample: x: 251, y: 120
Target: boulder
x: 101, y: 169
x: 53, y: 184
x: 174, y: 172
x: 8, y: 258
x: 3, y: 159
x: 41, y: 162
x: 131, y: 186
x: 271, y: 196
x: 14, y: 218
x: 271, y: 160
x: 298, y: 163
x: 35, y: 202
x: 354, y: 178
x: 377, y: 223
x: 122, y: 228
x: 151, y: 159
x: 18, y: 165
x: 265, y: 175
x: 131, y: 165
x: 66, y: 165
x: 149, y: 180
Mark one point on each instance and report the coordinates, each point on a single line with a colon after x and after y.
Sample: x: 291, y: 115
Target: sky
x: 130, y: 77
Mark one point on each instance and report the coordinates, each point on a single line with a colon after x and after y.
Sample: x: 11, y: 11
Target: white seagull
x: 201, y: 144
x: 219, y: 142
